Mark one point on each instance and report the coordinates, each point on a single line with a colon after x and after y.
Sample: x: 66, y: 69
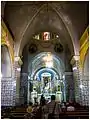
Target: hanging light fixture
x: 49, y: 64
x: 48, y: 60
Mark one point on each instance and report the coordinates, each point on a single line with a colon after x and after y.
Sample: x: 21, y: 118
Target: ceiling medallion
x: 32, y: 48
x: 58, y: 48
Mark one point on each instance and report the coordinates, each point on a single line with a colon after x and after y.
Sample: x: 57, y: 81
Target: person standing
x: 53, y: 107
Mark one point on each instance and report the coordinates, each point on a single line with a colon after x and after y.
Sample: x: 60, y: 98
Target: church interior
x: 44, y: 51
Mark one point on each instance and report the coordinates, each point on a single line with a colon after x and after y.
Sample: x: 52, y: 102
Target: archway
x: 46, y: 79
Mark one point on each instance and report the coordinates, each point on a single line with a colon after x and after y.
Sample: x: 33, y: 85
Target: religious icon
x: 45, y: 80
x: 46, y: 36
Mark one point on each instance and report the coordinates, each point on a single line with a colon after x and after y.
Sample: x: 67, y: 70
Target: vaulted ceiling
x: 24, y: 19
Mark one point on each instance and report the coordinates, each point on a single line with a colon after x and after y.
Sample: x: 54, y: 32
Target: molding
x: 6, y: 39
x: 84, y: 45
x: 68, y: 73
x: 18, y: 59
x: 74, y: 59
x: 84, y: 36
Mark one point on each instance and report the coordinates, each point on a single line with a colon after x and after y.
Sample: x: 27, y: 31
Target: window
x: 45, y: 36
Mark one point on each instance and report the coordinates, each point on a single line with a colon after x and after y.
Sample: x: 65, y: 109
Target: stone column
x: 69, y: 84
x: 17, y: 67
x: 85, y: 90
x: 75, y: 61
x: 14, y: 84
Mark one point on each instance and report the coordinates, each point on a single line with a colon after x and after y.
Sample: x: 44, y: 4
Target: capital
x: 74, y: 59
x: 18, y: 59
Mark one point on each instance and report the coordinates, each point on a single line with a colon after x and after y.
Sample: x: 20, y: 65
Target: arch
x: 52, y: 69
x: 37, y: 62
x: 66, y: 26
x: 70, y: 29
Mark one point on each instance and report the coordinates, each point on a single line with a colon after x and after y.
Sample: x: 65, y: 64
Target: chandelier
x: 48, y: 60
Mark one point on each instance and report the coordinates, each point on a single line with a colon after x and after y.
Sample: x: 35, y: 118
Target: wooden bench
x: 74, y: 115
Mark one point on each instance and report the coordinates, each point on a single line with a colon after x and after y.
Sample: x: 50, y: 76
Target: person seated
x: 63, y: 107
x: 34, y: 109
x: 53, y: 107
x: 70, y: 107
x: 29, y: 109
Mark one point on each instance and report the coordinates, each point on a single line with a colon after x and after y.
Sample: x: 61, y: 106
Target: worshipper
x: 41, y: 109
x: 29, y: 111
x: 53, y: 108
x: 63, y: 107
x: 42, y: 99
x: 70, y: 107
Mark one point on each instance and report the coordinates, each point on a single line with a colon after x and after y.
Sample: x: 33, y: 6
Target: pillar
x: 69, y: 84
x: 75, y: 61
x: 17, y: 67
x: 85, y: 90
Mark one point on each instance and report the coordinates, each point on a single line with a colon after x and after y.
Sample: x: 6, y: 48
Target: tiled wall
x: 85, y: 90
x: 81, y: 93
x: 8, y: 92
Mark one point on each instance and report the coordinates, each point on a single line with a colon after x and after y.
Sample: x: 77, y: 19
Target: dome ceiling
x: 25, y: 19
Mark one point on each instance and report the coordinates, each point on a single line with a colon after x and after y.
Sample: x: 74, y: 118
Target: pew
x: 74, y: 115
x: 19, y: 113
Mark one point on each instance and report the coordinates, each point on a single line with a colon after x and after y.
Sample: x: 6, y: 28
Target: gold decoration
x: 84, y: 46
x: 7, y: 40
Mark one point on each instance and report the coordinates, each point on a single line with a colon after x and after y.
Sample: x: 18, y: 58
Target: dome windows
x: 45, y: 36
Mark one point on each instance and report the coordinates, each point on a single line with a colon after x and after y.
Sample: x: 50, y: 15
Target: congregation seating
x: 14, y: 112
x: 19, y: 113
x: 83, y: 114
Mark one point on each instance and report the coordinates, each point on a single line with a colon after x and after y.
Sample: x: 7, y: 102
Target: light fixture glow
x: 48, y: 57
x: 14, y: 83
x: 57, y: 36
x: 81, y: 86
x: 28, y: 77
x: 19, y: 69
x: 17, y: 58
x: 74, y: 68
x: 48, y: 60
x: 63, y: 76
x: 61, y: 81
x: 49, y: 64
